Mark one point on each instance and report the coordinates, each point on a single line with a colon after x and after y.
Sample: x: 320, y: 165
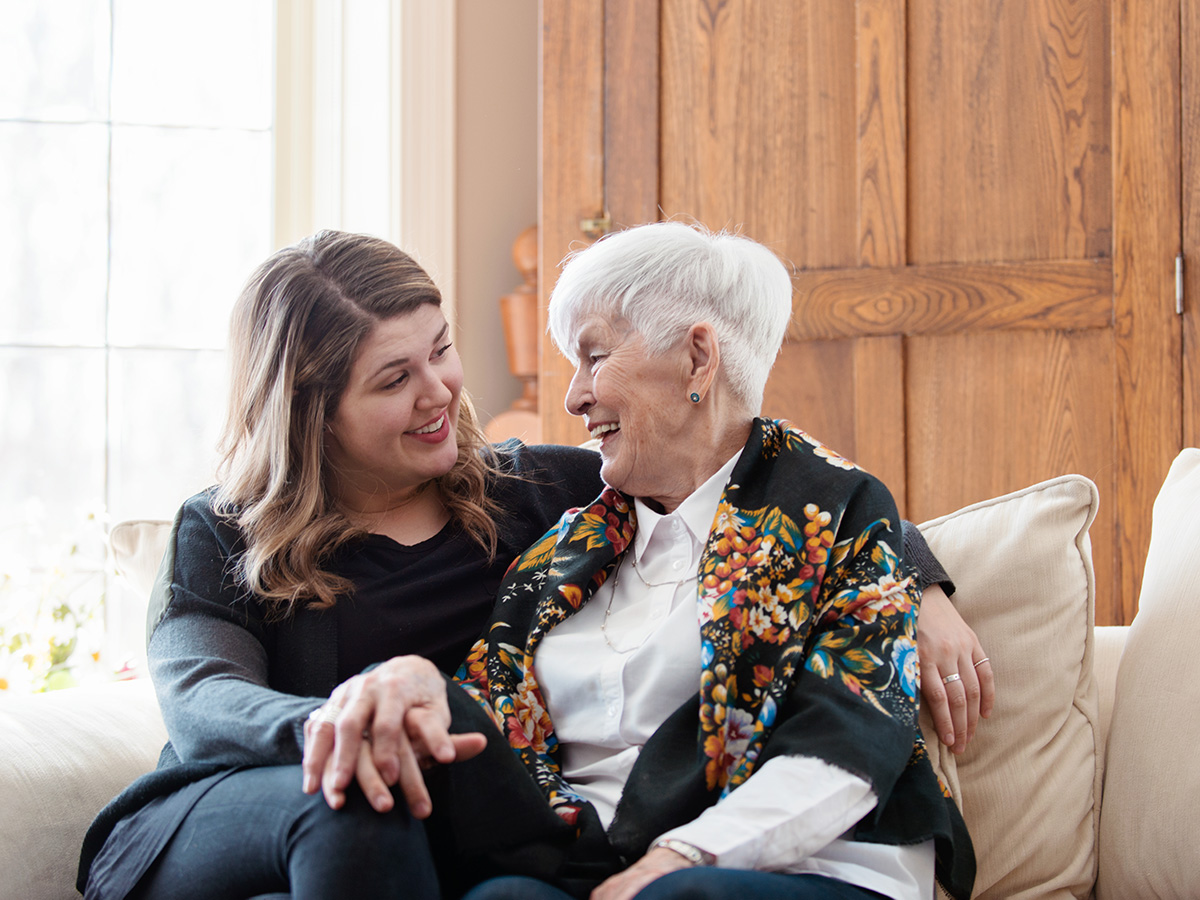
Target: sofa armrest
x: 64, y: 755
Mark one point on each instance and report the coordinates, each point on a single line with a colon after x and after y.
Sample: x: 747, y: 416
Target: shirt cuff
x: 787, y: 811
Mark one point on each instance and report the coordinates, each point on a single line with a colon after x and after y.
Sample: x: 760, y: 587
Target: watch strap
x: 690, y: 852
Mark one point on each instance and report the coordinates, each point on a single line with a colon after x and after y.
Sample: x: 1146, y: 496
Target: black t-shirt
x: 434, y: 598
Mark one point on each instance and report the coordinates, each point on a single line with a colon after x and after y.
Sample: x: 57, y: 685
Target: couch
x: 1078, y: 786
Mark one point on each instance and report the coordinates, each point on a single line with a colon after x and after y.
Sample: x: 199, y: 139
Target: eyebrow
x: 403, y: 361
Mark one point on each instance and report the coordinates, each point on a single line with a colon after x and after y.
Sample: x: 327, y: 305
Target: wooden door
x: 981, y: 202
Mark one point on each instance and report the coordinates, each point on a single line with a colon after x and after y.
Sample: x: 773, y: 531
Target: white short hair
x: 665, y: 277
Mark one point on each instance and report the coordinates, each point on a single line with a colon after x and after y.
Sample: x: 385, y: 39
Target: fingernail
x: 948, y: 739
x: 309, y: 784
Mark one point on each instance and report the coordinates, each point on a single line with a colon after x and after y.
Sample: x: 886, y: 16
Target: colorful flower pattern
x: 781, y: 593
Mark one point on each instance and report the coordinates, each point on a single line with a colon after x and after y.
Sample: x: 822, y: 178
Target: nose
x: 435, y: 393
x: 579, y: 397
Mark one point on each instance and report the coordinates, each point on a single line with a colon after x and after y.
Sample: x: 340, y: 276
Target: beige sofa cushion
x: 64, y: 755
x: 1028, y: 782
x: 1151, y: 815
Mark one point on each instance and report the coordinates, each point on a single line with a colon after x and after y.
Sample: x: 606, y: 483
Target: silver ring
x: 982, y: 661
x: 950, y: 679
x: 325, y: 713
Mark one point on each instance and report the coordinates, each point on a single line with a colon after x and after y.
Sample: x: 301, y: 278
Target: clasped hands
x: 383, y: 728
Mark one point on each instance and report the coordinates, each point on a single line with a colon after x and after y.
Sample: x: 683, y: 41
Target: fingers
x: 468, y: 746
x: 987, y: 684
x: 937, y: 701
x: 318, y: 743
x: 374, y: 788
x: 411, y: 781
x: 427, y: 730
x: 402, y: 705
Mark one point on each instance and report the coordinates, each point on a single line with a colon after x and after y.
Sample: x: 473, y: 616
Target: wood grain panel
x: 631, y: 35
x: 572, y: 176
x: 1190, y: 130
x: 1005, y: 410
x: 758, y: 121
x: 1008, y: 150
x: 801, y: 390
x: 1064, y: 294
x: 878, y: 388
x: 881, y: 177
x: 879, y: 413
x: 1146, y: 226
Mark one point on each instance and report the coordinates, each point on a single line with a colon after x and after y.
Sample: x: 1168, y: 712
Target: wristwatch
x: 690, y: 852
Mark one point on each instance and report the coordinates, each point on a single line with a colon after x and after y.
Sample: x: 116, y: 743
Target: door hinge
x: 598, y: 227
x: 1179, y: 285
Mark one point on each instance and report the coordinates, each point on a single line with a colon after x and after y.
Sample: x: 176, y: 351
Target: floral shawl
x: 807, y: 617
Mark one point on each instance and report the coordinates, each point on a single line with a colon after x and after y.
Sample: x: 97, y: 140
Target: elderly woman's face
x: 632, y: 401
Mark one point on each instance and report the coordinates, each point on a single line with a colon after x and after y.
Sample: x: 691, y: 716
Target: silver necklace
x: 612, y: 596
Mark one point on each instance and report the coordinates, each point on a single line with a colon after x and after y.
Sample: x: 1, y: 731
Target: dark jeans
x: 256, y: 833
x: 693, y: 884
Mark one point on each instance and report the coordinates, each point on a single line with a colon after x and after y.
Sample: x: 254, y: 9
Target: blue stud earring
x: 694, y: 397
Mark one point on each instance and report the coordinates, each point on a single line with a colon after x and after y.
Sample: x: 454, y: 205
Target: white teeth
x: 432, y: 427
x: 601, y: 430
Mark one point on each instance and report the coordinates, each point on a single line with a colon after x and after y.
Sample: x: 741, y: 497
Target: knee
x: 356, y: 830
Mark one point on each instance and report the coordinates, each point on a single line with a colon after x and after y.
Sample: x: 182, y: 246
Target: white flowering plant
x: 52, y: 613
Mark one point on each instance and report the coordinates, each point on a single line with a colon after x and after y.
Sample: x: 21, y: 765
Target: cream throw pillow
x: 1151, y: 818
x: 1028, y: 783
x: 138, y: 546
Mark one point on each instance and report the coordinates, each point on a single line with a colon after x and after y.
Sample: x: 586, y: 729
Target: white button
x: 677, y: 565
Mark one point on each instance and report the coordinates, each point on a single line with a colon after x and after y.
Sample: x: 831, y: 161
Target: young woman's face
x: 396, y: 422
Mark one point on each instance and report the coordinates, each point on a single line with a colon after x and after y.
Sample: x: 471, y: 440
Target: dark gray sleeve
x: 921, y: 558
x: 208, y: 660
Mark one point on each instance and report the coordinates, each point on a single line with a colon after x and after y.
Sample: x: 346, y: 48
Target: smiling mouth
x: 431, y: 427
x: 601, y: 430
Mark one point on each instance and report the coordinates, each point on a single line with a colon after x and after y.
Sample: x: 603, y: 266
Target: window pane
x: 53, y: 233
x: 191, y: 220
x: 219, y: 75
x: 54, y: 60
x: 166, y: 411
x: 52, y: 444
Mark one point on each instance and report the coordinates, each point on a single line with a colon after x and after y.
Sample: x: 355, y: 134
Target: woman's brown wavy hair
x: 293, y: 337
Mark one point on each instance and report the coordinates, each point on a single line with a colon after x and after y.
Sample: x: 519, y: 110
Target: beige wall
x: 497, y: 181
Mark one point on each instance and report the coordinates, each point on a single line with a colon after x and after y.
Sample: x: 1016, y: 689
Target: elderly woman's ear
x: 704, y: 356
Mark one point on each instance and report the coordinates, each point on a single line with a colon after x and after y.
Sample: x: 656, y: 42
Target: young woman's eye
x: 400, y: 379
x: 441, y: 351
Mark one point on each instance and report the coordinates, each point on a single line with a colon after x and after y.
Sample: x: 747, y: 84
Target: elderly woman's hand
x: 383, y: 727
x: 948, y: 647
x: 626, y: 885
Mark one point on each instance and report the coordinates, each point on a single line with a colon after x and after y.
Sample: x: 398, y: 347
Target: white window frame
x: 324, y: 144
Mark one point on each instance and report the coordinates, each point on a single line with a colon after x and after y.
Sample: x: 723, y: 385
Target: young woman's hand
x: 382, y: 728
x: 948, y: 647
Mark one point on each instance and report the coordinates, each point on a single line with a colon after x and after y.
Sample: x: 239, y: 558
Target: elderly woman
x: 709, y: 672
x: 715, y: 661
